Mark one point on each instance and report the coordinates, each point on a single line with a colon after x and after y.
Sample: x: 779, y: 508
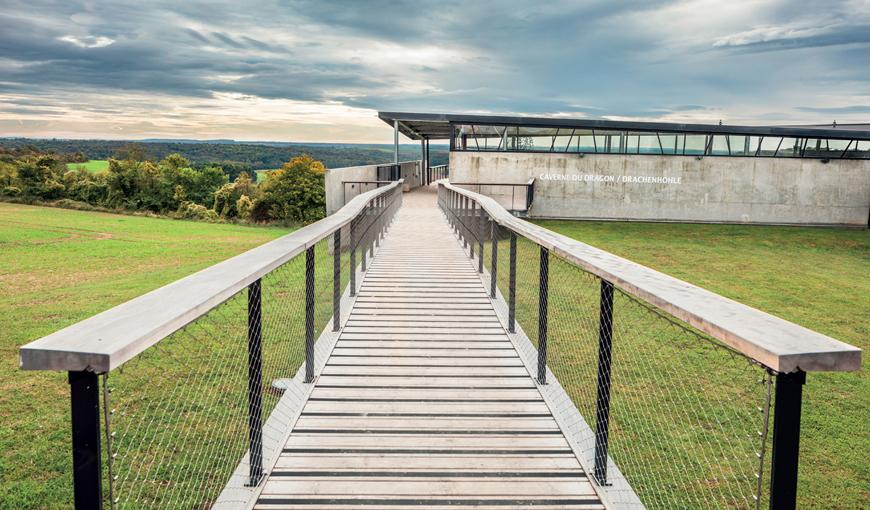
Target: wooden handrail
x: 776, y: 343
x: 105, y: 341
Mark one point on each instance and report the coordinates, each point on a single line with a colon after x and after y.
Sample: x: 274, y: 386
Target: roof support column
x: 395, y: 142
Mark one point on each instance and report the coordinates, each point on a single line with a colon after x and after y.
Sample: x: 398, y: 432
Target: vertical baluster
x: 87, y: 462
x: 786, y: 440
x: 255, y: 383
x: 512, y: 285
x: 602, y: 402
x: 336, y: 280
x: 493, y: 263
x: 309, y: 314
x: 543, y: 302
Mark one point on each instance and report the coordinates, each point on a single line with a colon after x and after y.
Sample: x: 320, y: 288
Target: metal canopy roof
x: 419, y: 126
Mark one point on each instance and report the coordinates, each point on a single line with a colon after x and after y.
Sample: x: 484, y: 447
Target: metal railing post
x: 543, y: 285
x: 602, y: 402
x: 463, y: 218
x: 786, y: 440
x: 255, y: 383
x: 472, y: 219
x: 87, y: 462
x: 309, y: 314
x: 336, y: 280
x: 493, y: 263
x: 512, y: 285
x: 481, y: 221
x: 352, y: 262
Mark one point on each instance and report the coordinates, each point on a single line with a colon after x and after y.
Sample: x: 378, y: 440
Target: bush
x: 294, y: 192
x: 12, y: 191
x: 194, y: 211
x: 244, y: 206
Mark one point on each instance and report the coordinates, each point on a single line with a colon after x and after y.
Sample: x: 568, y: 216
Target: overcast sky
x: 319, y: 70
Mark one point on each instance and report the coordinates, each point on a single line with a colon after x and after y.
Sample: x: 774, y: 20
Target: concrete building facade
x: 642, y: 171
x: 681, y: 188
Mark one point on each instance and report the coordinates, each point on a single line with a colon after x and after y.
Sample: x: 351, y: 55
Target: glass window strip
x: 517, y: 138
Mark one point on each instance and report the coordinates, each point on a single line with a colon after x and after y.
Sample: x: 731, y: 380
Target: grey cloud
x: 862, y: 108
x: 591, y: 58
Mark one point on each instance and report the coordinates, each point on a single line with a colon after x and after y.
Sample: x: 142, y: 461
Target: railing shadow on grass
x: 670, y: 395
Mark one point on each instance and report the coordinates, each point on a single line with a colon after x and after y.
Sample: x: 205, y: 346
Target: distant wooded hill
x: 257, y: 156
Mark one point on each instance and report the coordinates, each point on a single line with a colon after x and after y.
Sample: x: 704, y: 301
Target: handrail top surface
x: 528, y: 183
x: 774, y: 342
x: 105, y: 341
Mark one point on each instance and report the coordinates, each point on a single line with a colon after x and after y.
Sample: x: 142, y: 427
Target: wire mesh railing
x: 185, y: 409
x: 664, y: 415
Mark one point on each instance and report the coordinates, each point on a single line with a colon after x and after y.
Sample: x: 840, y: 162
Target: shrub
x: 194, y: 211
x: 294, y: 192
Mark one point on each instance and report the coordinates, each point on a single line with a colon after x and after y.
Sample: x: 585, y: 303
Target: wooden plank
x: 476, y: 462
x: 394, y: 371
x: 404, y: 487
x: 442, y: 382
x: 433, y: 335
x: 426, y: 394
x: 390, y: 424
x: 495, y: 329
x: 422, y: 321
x: 427, y: 408
x: 421, y: 361
x: 417, y: 307
x: 438, y: 313
x: 426, y: 444
x: 476, y: 352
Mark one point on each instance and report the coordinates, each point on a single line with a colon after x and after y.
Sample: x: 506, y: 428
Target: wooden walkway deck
x: 424, y: 401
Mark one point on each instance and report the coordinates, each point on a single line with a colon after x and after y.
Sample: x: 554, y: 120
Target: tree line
x: 171, y: 186
x: 234, y: 157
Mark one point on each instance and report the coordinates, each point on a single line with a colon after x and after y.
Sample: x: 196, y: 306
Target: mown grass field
x: 816, y: 277
x: 93, y: 166
x: 58, y: 267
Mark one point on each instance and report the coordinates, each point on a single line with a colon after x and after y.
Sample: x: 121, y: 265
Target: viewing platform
x: 425, y: 401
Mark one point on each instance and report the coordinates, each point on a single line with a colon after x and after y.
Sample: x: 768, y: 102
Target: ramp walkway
x: 424, y: 401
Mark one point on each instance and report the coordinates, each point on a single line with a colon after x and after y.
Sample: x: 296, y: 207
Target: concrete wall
x: 711, y: 189
x: 335, y: 177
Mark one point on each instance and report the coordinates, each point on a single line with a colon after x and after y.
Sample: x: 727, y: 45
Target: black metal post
x: 464, y: 219
x: 602, y: 403
x: 543, y: 285
x: 481, y: 221
x: 352, y: 262
x: 309, y: 314
x: 786, y: 440
x: 493, y: 263
x: 512, y: 286
x: 336, y: 280
x: 255, y: 383
x: 87, y: 462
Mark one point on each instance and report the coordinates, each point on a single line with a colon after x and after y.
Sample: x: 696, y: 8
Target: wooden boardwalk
x: 424, y: 401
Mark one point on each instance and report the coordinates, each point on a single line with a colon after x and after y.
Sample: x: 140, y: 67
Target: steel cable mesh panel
x: 687, y: 417
x: 179, y: 411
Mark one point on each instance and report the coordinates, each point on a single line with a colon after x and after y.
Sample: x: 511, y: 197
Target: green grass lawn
x: 816, y: 277
x: 261, y: 175
x: 93, y: 166
x: 58, y: 267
